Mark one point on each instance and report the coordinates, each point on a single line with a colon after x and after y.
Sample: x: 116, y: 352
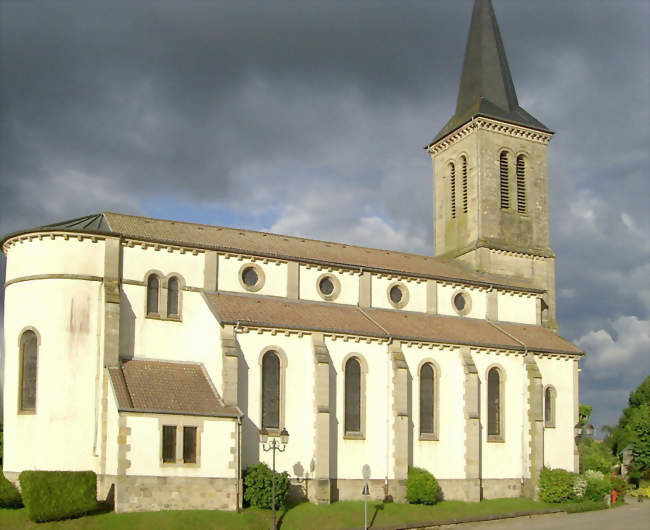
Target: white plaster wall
x: 445, y: 457
x: 516, y: 308
x: 417, y: 294
x: 445, y: 304
x: 66, y: 315
x: 351, y: 455
x: 55, y: 256
x: 298, y: 399
x: 349, y: 282
x: 145, y: 442
x: 504, y: 459
x: 137, y: 261
x: 558, y: 441
x: 275, y: 274
x: 196, y: 338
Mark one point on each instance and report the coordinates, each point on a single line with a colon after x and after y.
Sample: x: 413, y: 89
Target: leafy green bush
x: 556, y: 485
x: 579, y: 487
x: 52, y: 495
x: 619, y: 484
x: 596, y: 455
x: 9, y: 496
x: 421, y: 487
x: 258, y: 489
x: 597, y: 488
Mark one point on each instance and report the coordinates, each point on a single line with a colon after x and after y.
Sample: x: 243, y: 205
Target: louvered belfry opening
x: 465, y: 199
x: 521, y: 184
x: 505, y: 178
x: 494, y: 402
x: 352, y: 396
x: 271, y: 390
x: 426, y: 399
x: 452, y: 189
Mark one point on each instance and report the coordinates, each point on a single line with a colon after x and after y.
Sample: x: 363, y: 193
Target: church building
x: 159, y: 354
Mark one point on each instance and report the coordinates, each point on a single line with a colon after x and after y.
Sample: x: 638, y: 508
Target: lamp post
x: 274, y: 445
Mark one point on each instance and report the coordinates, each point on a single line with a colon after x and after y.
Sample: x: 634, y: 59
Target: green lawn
x: 302, y: 516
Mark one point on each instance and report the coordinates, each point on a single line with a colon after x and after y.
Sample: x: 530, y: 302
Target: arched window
x: 427, y: 400
x: 504, y: 174
x: 271, y: 390
x: 172, y: 297
x: 549, y: 407
x: 28, y: 369
x: 465, y: 190
x: 153, y: 285
x: 452, y: 189
x: 352, y: 396
x: 521, y: 184
x: 495, y: 405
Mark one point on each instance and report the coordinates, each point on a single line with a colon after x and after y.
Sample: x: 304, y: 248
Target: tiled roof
x: 269, y: 312
x: 167, y: 388
x: 281, y: 247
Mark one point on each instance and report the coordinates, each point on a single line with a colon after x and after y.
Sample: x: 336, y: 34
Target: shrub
x: 590, y: 474
x: 597, y: 456
x: 597, y: 488
x: 421, y: 487
x: 9, y: 496
x: 52, y: 495
x: 579, y: 487
x: 619, y: 484
x: 556, y: 485
x: 258, y: 487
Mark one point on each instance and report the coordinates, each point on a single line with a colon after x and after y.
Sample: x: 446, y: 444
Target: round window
x: 251, y: 277
x: 328, y: 286
x: 462, y: 302
x: 398, y: 295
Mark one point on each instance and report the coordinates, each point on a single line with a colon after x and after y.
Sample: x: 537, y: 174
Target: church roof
x: 277, y: 246
x: 486, y: 87
x: 166, y: 387
x: 258, y: 311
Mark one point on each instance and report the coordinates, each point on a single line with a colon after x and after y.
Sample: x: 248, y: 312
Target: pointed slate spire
x: 486, y: 87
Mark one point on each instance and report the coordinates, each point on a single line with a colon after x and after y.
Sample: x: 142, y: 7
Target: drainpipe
x: 238, y: 481
x: 390, y: 341
x: 523, y: 409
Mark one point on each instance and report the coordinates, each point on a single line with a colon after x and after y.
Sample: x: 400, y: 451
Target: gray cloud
x: 309, y: 118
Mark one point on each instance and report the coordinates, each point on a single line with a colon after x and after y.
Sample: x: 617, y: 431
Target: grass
x: 301, y: 516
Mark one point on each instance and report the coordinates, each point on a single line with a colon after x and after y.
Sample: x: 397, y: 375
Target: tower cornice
x: 507, y: 129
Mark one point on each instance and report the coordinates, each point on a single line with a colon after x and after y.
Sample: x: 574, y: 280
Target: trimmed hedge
x: 52, y: 495
x: 9, y: 496
x: 421, y: 487
x: 556, y: 485
x: 258, y: 490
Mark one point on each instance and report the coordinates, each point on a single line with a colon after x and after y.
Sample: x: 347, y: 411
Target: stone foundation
x: 351, y: 489
x: 467, y: 490
x: 498, y: 488
x: 142, y: 493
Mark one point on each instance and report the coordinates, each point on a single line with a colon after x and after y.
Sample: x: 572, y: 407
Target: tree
x: 584, y: 413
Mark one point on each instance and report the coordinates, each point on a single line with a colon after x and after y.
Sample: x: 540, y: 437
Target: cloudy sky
x: 309, y: 118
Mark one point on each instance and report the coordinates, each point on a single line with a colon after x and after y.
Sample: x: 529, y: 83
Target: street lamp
x: 274, y: 445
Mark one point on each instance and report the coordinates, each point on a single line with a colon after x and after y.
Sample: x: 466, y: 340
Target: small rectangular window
x: 189, y: 445
x: 169, y: 443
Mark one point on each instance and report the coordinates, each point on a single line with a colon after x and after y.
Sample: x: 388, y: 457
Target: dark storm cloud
x: 314, y: 114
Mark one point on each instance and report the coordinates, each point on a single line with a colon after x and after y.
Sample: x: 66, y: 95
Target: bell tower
x: 490, y: 172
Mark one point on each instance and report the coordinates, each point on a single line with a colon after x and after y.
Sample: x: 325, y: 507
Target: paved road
x: 633, y: 516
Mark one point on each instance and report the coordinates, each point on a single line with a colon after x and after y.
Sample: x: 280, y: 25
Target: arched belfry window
x: 271, y: 390
x: 172, y: 297
x: 494, y: 405
x: 352, y: 396
x: 28, y: 369
x: 549, y: 407
x: 153, y: 295
x: 504, y: 176
x: 428, y: 392
x: 452, y: 189
x: 463, y: 161
x: 521, y: 184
